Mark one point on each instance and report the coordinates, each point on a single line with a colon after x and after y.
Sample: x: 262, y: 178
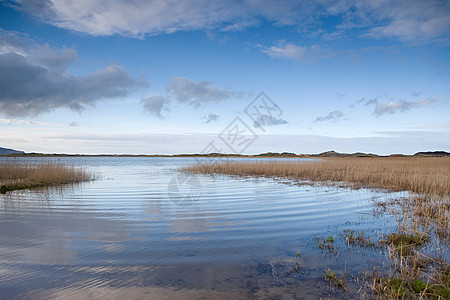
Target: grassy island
x: 17, y: 176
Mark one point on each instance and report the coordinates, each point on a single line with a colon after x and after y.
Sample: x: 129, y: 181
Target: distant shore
x: 261, y: 155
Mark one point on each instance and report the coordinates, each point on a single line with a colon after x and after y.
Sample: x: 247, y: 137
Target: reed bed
x: 427, y: 179
x: 16, y: 176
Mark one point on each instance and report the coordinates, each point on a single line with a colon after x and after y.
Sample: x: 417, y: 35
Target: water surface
x: 145, y: 230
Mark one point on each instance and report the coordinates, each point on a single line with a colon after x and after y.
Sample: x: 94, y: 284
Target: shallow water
x: 144, y: 230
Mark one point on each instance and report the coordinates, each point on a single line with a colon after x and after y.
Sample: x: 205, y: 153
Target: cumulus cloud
x: 332, y: 116
x: 211, y: 118
x: 155, y: 105
x: 196, y: 93
x: 266, y: 120
x: 398, y: 106
x: 422, y: 20
x: 34, y: 79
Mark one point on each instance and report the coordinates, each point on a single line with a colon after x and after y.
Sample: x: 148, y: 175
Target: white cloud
x: 58, y: 140
x: 401, y: 19
x: 131, y: 18
x: 415, y: 21
x: 291, y: 51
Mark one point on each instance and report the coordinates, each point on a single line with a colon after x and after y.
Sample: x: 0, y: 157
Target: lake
x: 145, y: 230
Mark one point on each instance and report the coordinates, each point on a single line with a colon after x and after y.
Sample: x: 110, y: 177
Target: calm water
x: 144, y: 230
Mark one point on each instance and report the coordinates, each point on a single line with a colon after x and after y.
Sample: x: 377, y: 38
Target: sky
x: 229, y: 76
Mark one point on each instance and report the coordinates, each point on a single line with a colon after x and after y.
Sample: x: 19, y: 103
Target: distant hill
x: 6, y: 151
x: 432, y: 153
x: 275, y: 154
x: 333, y: 153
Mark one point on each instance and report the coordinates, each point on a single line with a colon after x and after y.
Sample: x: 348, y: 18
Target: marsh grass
x: 424, y: 175
x: 335, y: 279
x: 16, y: 176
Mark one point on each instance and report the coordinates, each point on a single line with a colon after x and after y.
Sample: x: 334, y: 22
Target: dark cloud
x: 185, y: 91
x: 55, y: 59
x: 211, y: 118
x: 398, y: 106
x: 34, y: 79
x: 370, y: 102
x: 332, y: 116
x: 266, y: 120
x: 155, y: 105
x: 196, y: 93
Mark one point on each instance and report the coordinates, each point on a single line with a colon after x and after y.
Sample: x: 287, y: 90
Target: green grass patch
x: 405, y: 243
x: 9, y: 188
x: 398, y: 288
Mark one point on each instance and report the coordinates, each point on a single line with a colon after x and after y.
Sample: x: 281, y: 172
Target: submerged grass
x: 17, y: 176
x: 405, y: 243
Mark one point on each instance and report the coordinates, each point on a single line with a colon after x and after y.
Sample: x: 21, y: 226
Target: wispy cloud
x: 62, y: 140
x: 332, y: 116
x: 34, y: 79
x: 397, y: 106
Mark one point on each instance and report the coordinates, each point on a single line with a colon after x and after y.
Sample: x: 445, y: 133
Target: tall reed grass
x: 427, y: 179
x: 14, y: 176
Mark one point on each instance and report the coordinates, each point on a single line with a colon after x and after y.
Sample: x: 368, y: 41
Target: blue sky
x: 175, y: 76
